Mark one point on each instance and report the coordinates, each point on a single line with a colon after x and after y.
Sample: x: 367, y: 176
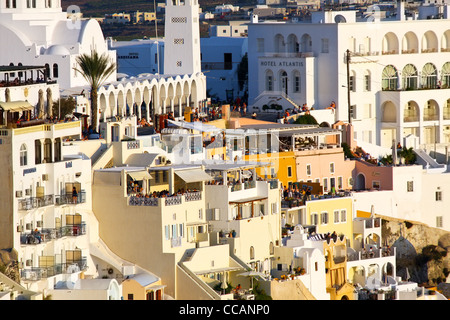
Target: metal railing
x: 48, y: 234
x: 68, y: 199
x: 35, y: 202
x: 39, y: 273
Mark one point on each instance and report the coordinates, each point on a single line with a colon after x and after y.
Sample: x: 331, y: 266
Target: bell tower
x: 182, y: 37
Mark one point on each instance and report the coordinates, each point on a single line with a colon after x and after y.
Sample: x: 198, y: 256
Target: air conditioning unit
x: 45, y: 177
x: 18, y: 194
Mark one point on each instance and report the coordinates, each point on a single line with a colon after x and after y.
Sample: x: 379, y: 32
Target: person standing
x: 74, y: 195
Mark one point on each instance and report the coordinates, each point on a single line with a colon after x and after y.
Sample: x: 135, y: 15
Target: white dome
x: 57, y: 50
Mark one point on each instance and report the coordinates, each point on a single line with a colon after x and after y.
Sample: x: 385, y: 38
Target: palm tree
x: 95, y: 69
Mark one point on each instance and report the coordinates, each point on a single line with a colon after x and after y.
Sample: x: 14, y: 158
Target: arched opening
x: 269, y: 80
x: 445, y: 41
x: 410, y: 43
x: 431, y: 111
x: 389, y: 78
x: 306, y: 43
x: 410, y: 77
x: 445, y: 76
x: 279, y: 44
x: 360, y: 183
x: 446, y: 110
x: 429, y: 76
x: 390, y: 44
x: 389, y: 112
x: 411, y: 112
x: 292, y: 44
x: 429, y: 42
x: 284, y: 82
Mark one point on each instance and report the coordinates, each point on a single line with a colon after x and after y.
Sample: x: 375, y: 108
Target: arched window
x: 271, y: 248
x: 284, y: 82
x: 429, y: 76
x: 389, y: 78
x: 23, y: 155
x: 297, y: 83
x: 445, y: 75
x: 55, y: 70
x: 269, y: 80
x: 409, y: 73
x: 47, y: 70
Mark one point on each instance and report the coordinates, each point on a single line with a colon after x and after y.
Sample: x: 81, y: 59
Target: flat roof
x: 20, y: 68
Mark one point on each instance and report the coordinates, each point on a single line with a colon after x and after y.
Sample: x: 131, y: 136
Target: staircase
x: 270, y: 97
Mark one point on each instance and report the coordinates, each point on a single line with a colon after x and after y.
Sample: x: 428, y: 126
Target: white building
x: 38, y: 33
x: 398, y: 72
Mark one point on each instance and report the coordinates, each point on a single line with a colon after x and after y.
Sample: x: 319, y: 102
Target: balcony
x: 39, y: 273
x: 377, y: 253
x: 35, y: 202
x: 48, y: 234
x: 139, y: 200
x: 68, y: 199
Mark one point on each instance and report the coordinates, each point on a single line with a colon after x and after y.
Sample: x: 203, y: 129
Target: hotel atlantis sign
x: 272, y: 63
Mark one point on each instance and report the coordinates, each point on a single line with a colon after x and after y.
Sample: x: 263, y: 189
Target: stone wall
x: 422, y: 250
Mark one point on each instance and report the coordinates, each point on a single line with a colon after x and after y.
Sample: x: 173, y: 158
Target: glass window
x: 23, y: 155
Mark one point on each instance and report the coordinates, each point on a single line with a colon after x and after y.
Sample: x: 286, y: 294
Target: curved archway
x: 389, y: 78
x: 279, y: 44
x: 431, y: 111
x: 411, y: 112
x: 429, y: 76
x: 102, y: 107
x: 112, y: 103
x: 360, y: 183
x: 445, y: 76
x: 390, y: 43
x: 410, y: 43
x: 306, y: 43
x: 269, y: 80
x: 429, y: 42
x: 445, y: 41
x: 292, y: 43
x: 410, y: 77
x: 389, y: 112
x: 283, y: 82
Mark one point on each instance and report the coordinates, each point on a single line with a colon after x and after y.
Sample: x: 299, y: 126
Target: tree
x: 65, y: 106
x: 408, y: 155
x: 306, y: 119
x: 95, y: 69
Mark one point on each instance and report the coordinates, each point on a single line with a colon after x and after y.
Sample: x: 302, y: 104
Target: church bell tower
x: 182, y: 37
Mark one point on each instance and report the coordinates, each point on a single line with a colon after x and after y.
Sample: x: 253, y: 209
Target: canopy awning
x: 247, y: 200
x: 139, y: 175
x: 16, y: 106
x: 194, y: 175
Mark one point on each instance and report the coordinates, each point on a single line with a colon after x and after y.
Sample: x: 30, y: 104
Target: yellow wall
x: 330, y: 205
x: 280, y: 163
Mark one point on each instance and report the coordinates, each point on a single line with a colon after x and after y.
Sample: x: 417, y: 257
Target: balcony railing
x: 173, y: 200
x: 249, y: 184
x: 193, y: 196
x: 142, y: 201
x: 175, y: 242
x: 68, y: 199
x: 35, y: 202
x: 39, y: 273
x: 377, y: 253
x: 48, y: 234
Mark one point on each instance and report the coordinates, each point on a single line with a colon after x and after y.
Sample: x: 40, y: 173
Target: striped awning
x: 16, y: 106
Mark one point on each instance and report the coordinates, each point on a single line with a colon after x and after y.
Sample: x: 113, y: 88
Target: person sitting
x: 37, y: 235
